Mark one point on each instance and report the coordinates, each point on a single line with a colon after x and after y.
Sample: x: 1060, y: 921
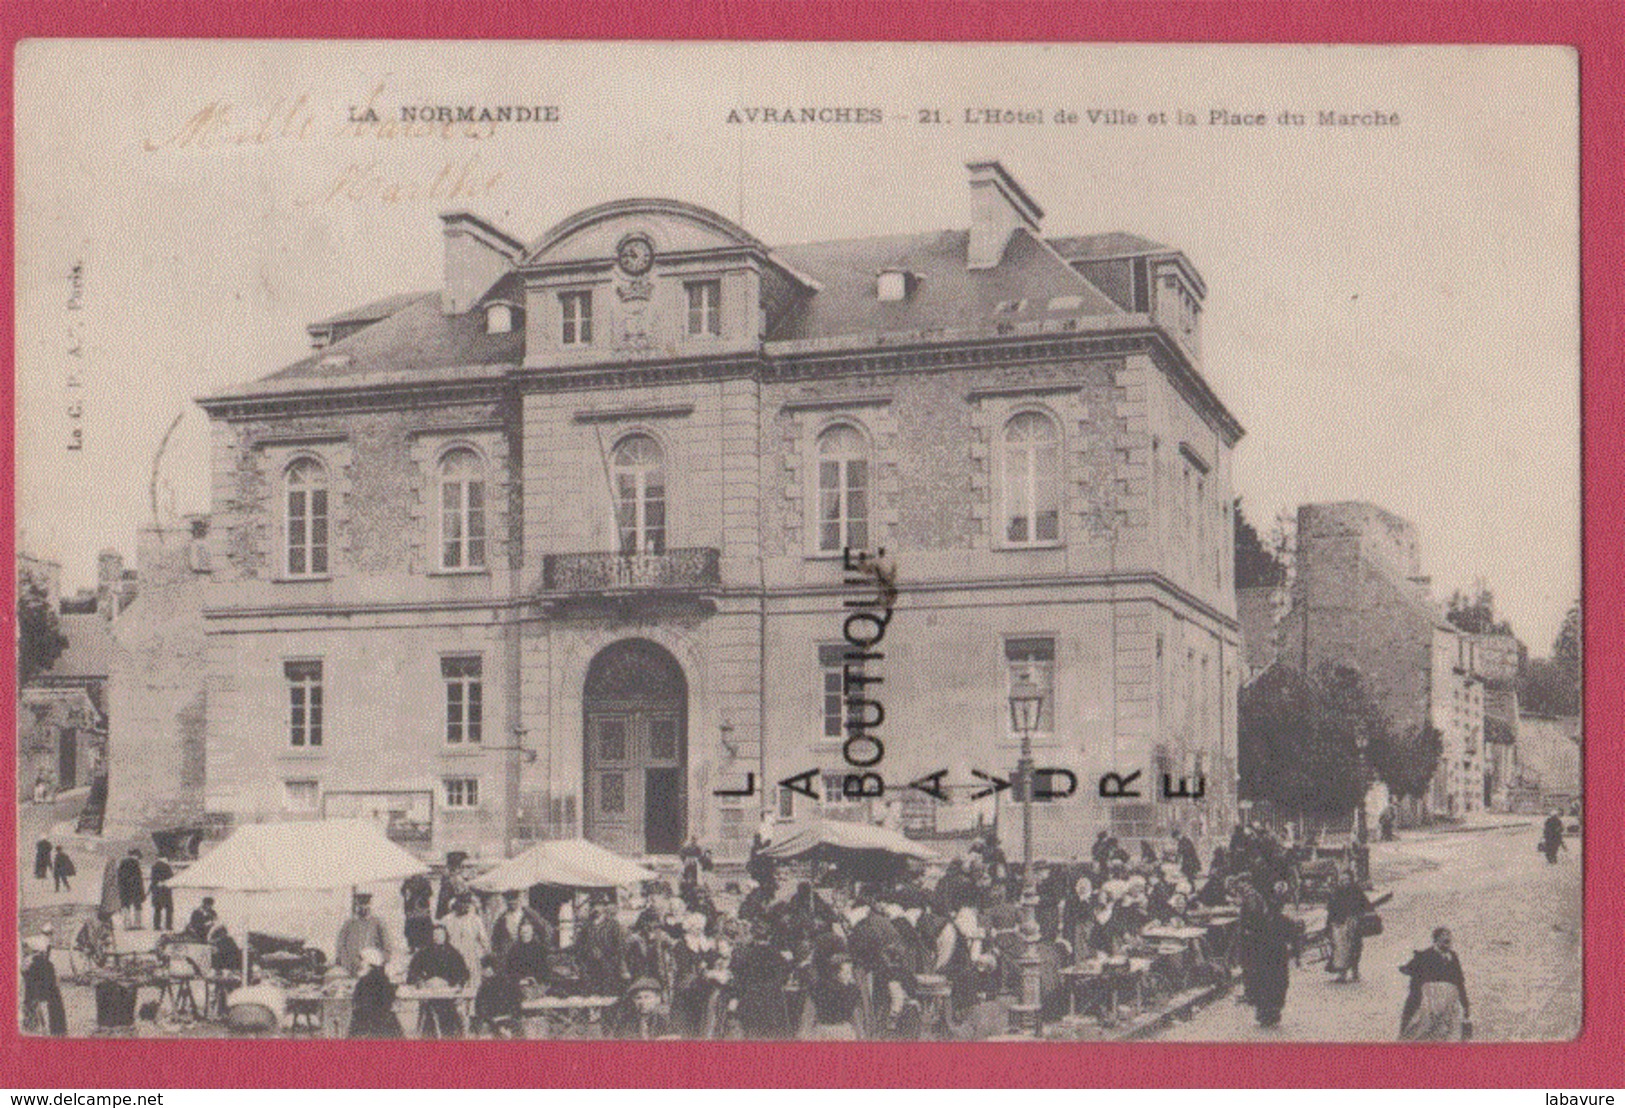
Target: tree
x: 40, y: 641
x: 1302, y: 740
x: 1476, y: 614
x: 1256, y: 565
x: 1407, y: 764
x: 1566, y: 647
x: 1551, y: 686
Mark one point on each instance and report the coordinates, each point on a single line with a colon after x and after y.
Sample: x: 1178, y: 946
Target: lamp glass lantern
x: 1026, y: 705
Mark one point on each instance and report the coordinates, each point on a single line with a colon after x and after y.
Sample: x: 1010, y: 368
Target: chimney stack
x: 999, y: 207
x: 477, y: 257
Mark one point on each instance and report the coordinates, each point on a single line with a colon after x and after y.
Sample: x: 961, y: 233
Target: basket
x: 115, y: 1004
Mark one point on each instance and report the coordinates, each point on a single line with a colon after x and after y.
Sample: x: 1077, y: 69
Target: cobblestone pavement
x: 1516, y: 923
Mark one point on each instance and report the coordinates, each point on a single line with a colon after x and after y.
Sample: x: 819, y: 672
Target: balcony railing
x: 688, y: 568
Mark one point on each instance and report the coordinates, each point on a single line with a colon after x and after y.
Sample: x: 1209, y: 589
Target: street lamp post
x: 1026, y: 704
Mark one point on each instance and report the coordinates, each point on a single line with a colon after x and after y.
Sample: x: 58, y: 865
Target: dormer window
x: 704, y: 308
x: 575, y: 314
x: 500, y: 319
x: 893, y: 285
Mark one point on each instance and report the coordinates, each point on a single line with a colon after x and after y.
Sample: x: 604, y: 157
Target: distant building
x: 1456, y: 709
x: 60, y: 736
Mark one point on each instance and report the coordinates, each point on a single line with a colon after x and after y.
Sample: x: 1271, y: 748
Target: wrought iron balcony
x: 689, y: 568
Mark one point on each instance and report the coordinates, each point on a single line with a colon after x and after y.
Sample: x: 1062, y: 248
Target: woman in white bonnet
x: 374, y: 1005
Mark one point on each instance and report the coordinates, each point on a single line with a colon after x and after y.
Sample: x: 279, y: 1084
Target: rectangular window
x: 299, y: 797
x: 304, y: 702
x: 1034, y: 658
x: 465, y: 699
x: 832, y: 665
x: 575, y: 309
x: 787, y: 803
x: 834, y: 790
x: 462, y: 792
x: 704, y: 307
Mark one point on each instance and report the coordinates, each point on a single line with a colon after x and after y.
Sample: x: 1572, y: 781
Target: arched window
x: 462, y: 510
x: 306, y: 519
x: 640, y: 495
x: 843, y: 490
x: 1032, y: 480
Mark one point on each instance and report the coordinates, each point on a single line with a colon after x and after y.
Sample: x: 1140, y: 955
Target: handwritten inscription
x: 371, y: 181
x: 221, y: 124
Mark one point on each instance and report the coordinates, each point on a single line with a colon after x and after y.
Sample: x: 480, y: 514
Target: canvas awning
x: 570, y: 863
x: 829, y: 836
x: 305, y: 854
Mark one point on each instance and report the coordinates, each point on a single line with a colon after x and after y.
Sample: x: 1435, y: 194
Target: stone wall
x: 157, y: 698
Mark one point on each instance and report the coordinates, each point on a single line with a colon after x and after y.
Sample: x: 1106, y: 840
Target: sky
x: 1392, y: 308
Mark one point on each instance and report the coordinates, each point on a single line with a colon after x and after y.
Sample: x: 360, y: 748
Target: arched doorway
x: 635, y: 783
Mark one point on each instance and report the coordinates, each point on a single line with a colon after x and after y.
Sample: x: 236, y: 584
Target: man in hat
x: 62, y: 869
x: 199, y: 927
x: 163, y: 897
x: 601, y: 949
x: 643, y: 1018
x: 132, y: 889
x: 417, y: 902
x: 361, y: 931
x: 42, y: 996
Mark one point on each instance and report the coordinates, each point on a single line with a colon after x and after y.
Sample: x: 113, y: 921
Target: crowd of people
x: 874, y: 947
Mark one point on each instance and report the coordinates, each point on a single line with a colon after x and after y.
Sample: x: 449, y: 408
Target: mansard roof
x: 411, y: 344
x: 378, y: 309
x: 411, y: 339
x: 1030, y: 282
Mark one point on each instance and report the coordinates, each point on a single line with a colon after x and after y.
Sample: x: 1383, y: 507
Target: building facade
x: 563, y: 547
x: 1456, y: 709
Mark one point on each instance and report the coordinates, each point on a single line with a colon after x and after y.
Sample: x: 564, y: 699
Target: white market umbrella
x: 300, y: 855
x: 825, y: 837
x: 570, y: 863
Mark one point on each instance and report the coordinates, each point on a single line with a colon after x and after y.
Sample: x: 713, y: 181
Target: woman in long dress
x: 1348, y: 903
x: 1437, y: 1005
x: 1269, y: 946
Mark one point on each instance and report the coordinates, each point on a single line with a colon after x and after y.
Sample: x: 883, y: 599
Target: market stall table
x: 1105, y: 980
x: 570, y: 1017
x: 1185, y: 946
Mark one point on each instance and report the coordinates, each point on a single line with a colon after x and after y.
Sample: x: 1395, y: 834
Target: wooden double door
x: 636, y: 787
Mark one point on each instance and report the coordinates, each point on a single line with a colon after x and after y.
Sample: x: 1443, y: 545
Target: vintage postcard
x: 763, y: 541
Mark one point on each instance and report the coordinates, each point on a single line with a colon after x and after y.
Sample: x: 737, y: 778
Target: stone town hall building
x: 556, y: 549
